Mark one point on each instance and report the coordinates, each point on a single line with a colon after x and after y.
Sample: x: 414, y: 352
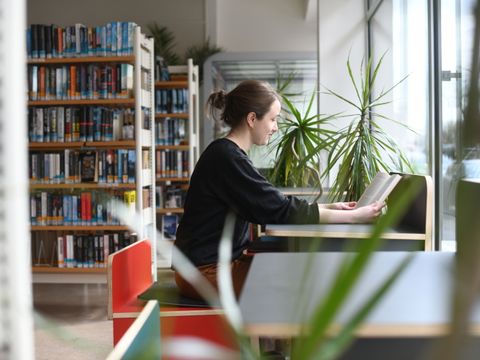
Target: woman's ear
x: 251, y: 117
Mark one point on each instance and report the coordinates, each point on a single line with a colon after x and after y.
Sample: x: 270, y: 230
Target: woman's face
x: 264, y: 128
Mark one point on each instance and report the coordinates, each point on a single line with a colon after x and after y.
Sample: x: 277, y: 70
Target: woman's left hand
x: 350, y: 205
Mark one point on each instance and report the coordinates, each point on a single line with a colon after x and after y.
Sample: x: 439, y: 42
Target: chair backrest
x: 142, y: 339
x: 418, y: 217
x: 124, y: 285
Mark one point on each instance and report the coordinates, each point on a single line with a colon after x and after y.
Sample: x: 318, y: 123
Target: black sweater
x: 225, y: 179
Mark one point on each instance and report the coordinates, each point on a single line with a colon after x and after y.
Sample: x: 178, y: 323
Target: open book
x: 378, y: 190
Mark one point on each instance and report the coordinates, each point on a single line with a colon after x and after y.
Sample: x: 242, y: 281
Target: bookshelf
x: 91, y: 139
x: 177, y: 146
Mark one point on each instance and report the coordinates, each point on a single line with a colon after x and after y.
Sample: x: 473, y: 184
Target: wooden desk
x: 277, y: 301
x: 344, y: 231
x: 415, y: 225
x: 339, y: 232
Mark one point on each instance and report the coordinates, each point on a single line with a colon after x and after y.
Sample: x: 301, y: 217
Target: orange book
x: 73, y: 81
x: 60, y: 41
x: 41, y: 78
x: 88, y: 206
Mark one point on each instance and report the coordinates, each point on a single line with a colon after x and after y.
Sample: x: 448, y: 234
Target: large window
x: 399, y: 32
x: 456, y: 33
x: 402, y: 29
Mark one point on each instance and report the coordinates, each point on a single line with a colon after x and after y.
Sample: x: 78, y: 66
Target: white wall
x: 185, y: 18
x: 280, y: 25
x: 342, y: 35
x: 264, y: 25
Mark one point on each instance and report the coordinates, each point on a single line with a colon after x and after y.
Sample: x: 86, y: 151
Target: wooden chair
x: 418, y: 217
x: 142, y: 339
x: 129, y: 276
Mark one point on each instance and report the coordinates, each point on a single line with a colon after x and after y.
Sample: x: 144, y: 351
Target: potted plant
x: 200, y: 53
x: 301, y: 136
x: 164, y: 43
x: 359, y: 149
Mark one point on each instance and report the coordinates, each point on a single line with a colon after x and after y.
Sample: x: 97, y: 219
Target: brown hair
x: 248, y: 96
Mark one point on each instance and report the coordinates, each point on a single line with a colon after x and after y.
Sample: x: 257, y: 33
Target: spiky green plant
x: 301, y: 136
x: 164, y: 43
x: 360, y: 149
x: 200, y: 53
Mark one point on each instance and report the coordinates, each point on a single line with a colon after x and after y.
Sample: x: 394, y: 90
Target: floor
x: 71, y: 322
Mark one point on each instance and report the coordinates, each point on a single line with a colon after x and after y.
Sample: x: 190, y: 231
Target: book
x: 170, y: 223
x: 378, y: 190
x: 88, y: 166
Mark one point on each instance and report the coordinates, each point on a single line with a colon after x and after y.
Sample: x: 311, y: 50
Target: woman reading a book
x: 225, y: 180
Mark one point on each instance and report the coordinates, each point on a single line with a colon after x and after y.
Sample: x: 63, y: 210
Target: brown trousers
x: 239, y: 269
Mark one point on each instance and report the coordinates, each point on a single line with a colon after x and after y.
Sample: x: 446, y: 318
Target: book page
x: 378, y: 190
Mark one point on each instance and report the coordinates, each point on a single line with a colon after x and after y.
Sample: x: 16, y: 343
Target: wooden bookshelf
x: 34, y: 186
x: 110, y: 102
x: 171, y: 115
x: 128, y: 59
x: 123, y: 144
x: 184, y: 80
x: 165, y: 211
x: 172, y: 147
x: 120, y: 144
x: 55, y: 145
x: 57, y: 270
x: 88, y: 228
x: 173, y: 179
x: 172, y: 84
x: 133, y: 111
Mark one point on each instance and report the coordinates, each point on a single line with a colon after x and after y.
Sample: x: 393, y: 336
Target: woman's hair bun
x: 218, y: 99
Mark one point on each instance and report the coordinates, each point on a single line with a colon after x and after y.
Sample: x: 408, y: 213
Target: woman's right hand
x: 368, y: 213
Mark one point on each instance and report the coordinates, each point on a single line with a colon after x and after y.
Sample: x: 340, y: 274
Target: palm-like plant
x: 164, y: 43
x: 200, y: 53
x: 301, y: 137
x: 360, y: 148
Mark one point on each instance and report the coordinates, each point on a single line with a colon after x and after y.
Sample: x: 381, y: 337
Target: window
x: 402, y: 29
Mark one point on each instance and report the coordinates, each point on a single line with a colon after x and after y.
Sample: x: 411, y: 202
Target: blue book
x: 131, y: 166
x: 113, y: 48
x: 97, y: 123
x: 125, y: 38
x: 29, y: 43
x: 66, y: 210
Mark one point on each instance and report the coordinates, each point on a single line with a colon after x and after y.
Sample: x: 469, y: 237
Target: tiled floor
x: 71, y: 321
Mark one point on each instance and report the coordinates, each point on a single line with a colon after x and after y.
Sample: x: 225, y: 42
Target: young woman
x: 225, y: 180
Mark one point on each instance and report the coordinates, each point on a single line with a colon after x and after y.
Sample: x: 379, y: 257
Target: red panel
x: 207, y: 327
x: 120, y: 326
x: 131, y: 274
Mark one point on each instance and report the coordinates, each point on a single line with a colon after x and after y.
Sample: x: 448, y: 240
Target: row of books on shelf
x: 86, y: 208
x: 78, y: 251
x: 82, y: 123
x: 75, y: 166
x: 170, y: 131
x: 170, y: 197
x: 51, y: 41
x: 171, y: 163
x: 80, y: 81
x: 168, y: 101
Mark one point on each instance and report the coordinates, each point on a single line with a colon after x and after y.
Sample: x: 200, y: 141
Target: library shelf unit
x: 127, y: 164
x: 177, y: 138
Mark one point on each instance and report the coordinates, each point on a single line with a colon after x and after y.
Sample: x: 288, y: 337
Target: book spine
x: 60, y: 252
